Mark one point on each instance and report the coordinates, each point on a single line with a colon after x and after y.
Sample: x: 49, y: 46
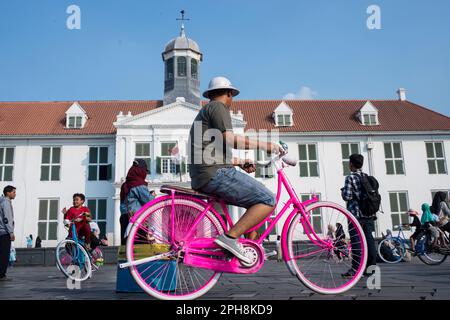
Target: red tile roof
x: 340, y: 115
x: 48, y: 118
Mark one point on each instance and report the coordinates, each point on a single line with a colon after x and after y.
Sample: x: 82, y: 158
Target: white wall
x: 416, y: 181
x: 73, y: 175
x: 27, y: 160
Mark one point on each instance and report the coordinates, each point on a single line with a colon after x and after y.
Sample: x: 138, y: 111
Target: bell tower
x: 182, y: 58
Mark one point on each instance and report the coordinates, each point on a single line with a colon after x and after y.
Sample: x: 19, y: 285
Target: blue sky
x: 269, y: 49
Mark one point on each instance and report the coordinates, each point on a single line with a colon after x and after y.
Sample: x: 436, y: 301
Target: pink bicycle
x: 186, y: 223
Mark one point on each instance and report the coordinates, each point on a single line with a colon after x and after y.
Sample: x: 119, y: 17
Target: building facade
x: 51, y: 150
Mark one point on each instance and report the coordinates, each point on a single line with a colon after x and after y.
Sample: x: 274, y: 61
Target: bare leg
x: 251, y: 218
x: 412, y: 243
x: 252, y: 235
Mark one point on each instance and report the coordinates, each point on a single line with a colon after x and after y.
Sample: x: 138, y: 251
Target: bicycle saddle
x: 180, y: 190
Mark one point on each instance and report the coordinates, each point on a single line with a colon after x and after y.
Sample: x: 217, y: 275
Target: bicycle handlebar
x: 288, y: 160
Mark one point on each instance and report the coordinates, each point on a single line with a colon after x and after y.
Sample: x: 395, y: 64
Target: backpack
x: 370, y: 199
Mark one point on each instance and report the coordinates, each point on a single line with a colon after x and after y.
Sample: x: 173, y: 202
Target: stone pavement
x: 413, y: 280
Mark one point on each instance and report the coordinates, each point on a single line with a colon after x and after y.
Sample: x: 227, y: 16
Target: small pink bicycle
x: 186, y: 223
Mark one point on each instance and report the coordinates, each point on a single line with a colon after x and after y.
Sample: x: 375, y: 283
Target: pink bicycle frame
x: 294, y: 200
x: 298, y: 205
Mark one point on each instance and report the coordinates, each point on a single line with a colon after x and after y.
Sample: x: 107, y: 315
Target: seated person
x: 441, y: 208
x: 429, y: 221
x: 78, y: 212
x: 339, y: 243
x: 95, y: 231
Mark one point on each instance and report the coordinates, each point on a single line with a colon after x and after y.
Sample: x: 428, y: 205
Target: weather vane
x: 183, y: 19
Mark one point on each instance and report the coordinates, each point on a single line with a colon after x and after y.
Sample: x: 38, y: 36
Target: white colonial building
x: 51, y: 150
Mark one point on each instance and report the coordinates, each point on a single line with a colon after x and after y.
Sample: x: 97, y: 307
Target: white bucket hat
x: 219, y: 83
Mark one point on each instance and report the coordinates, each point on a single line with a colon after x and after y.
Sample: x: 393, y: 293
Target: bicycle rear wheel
x: 168, y: 278
x: 426, y: 252
x: 319, y: 262
x: 391, y: 250
x: 73, y: 260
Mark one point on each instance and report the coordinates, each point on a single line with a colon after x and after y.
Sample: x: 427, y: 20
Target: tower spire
x: 183, y: 19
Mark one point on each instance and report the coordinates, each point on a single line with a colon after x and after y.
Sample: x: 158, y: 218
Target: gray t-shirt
x: 208, y: 150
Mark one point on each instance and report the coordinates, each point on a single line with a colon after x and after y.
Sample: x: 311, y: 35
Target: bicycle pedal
x: 268, y: 254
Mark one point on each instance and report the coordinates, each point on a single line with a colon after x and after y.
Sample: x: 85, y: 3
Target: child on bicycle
x: 415, y: 223
x: 78, y: 213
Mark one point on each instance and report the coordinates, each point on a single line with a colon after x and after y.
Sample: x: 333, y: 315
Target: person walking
x: 352, y: 194
x: 6, y: 229
x: 134, y: 194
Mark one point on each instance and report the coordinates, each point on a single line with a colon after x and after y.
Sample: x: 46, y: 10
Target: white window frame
x: 394, y: 158
x: 434, y: 191
x: 435, y: 159
x: 261, y: 171
x: 287, y: 119
x: 75, y: 120
x: 308, y: 161
x: 99, y: 164
x: 96, y: 219
x: 399, y: 213
x: 144, y: 157
x: 4, y: 165
x: 346, y: 160
x: 369, y: 118
x: 47, y: 221
x: 307, y: 196
x: 51, y: 164
x: 168, y: 162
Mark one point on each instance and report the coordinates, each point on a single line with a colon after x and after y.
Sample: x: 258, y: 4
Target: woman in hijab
x: 442, y: 210
x: 134, y: 194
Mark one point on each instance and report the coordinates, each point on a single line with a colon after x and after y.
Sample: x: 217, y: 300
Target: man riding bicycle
x: 211, y: 165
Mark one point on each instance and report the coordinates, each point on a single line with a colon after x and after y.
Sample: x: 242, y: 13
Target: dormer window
x: 284, y: 120
x: 368, y: 115
x: 75, y: 122
x: 283, y: 115
x: 76, y: 117
x: 370, y: 119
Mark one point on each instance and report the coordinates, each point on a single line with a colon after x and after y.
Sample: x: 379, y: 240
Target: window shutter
x: 158, y: 165
x: 258, y: 173
x: 183, y: 166
x: 108, y: 172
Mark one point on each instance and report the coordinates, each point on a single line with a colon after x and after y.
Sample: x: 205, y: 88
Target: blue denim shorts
x: 238, y: 189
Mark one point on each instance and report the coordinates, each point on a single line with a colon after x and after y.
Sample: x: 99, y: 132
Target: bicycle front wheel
x: 391, y: 250
x: 73, y: 260
x: 319, y: 261
x: 168, y: 278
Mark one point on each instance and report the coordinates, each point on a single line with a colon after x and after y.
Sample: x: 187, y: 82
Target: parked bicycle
x: 429, y: 252
x: 186, y: 223
x: 72, y: 258
x: 393, y: 249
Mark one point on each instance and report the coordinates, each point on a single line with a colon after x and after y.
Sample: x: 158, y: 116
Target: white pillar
x: 116, y: 222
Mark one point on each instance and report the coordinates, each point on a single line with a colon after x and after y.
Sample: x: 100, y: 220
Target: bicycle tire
x: 184, y: 206
x: 309, y: 275
x: 426, y: 254
x: 61, y: 247
x: 399, y: 245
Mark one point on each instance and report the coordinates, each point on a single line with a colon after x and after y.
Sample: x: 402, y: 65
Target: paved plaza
x: 413, y: 280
